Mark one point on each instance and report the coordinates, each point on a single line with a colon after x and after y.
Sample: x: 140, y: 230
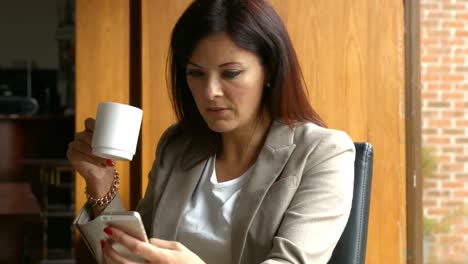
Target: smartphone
x: 130, y: 223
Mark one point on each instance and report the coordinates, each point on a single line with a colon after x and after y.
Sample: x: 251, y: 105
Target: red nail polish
x: 110, y: 163
x: 103, y: 244
x: 108, y: 231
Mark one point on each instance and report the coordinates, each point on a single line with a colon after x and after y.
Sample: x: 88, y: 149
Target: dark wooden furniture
x: 19, y: 210
x: 53, y: 183
x: 32, y: 137
x: 35, y: 175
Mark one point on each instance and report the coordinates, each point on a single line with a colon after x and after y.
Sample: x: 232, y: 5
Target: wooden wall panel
x: 102, y: 68
x: 352, y: 57
x: 386, y: 108
x: 158, y: 19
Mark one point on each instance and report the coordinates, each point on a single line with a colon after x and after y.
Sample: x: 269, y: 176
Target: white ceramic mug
x: 116, y: 131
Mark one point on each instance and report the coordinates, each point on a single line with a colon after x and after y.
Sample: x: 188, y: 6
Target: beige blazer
x: 292, y: 210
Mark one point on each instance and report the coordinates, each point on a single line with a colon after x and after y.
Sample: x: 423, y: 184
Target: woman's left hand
x: 156, y: 251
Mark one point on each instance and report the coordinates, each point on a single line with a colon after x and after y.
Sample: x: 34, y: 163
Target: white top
x: 206, y: 223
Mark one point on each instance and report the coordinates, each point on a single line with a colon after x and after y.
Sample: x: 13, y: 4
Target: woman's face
x: 226, y: 82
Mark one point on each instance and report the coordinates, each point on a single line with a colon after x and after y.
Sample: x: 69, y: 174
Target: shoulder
x: 325, y: 139
x: 173, y: 137
x: 319, y: 144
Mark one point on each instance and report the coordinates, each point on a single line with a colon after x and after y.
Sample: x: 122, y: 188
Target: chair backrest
x: 351, y: 248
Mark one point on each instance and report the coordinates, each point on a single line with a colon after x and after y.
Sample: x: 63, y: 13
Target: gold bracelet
x: 103, y: 201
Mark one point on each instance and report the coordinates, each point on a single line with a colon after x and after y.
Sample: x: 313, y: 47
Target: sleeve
x: 320, y: 208
x: 91, y: 231
x: 146, y: 205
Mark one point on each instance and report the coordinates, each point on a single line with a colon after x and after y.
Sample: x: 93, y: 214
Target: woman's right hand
x: 97, y: 172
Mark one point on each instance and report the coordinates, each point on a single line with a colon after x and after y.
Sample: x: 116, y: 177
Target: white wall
x: 27, y: 32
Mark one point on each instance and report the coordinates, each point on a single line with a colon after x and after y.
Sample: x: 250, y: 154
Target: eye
x: 231, y: 74
x: 194, y: 73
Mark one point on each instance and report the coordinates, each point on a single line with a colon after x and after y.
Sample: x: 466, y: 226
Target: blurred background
x: 37, y: 78
x: 444, y: 98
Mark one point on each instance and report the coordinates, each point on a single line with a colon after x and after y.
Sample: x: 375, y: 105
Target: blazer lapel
x: 180, y: 187
x: 270, y: 162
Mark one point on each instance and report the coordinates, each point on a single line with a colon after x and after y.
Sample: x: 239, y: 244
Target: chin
x: 221, y: 126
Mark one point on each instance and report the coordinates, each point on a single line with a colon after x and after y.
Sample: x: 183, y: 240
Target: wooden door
x: 158, y: 18
x: 102, y: 74
x: 102, y: 69
x: 352, y: 57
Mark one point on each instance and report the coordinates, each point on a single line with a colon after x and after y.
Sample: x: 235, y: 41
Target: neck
x: 244, y: 145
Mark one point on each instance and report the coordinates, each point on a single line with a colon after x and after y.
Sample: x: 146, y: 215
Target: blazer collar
x: 176, y: 195
x: 273, y: 157
x: 280, y: 135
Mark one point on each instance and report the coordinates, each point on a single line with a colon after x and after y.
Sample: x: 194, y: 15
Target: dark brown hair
x: 252, y: 25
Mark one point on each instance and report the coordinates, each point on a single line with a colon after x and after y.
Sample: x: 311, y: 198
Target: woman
x: 249, y: 174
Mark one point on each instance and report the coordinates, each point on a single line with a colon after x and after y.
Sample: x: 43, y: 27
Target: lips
x: 215, y: 109
x: 217, y: 112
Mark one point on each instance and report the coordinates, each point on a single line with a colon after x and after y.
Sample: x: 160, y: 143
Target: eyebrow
x: 229, y: 63
x: 221, y: 65
x: 196, y: 65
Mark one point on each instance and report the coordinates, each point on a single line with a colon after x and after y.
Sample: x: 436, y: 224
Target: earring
x: 268, y: 85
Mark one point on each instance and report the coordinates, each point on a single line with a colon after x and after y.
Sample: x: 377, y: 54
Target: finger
x: 136, y: 246
x: 89, y: 124
x: 85, y: 136
x: 107, y: 259
x: 77, y: 151
x: 82, y: 145
x: 86, y: 149
x: 112, y: 256
x: 172, y: 245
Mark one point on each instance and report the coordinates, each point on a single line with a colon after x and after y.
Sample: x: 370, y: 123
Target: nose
x: 213, y: 88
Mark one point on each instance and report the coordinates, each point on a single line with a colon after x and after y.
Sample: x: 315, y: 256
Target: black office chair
x: 351, y: 248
